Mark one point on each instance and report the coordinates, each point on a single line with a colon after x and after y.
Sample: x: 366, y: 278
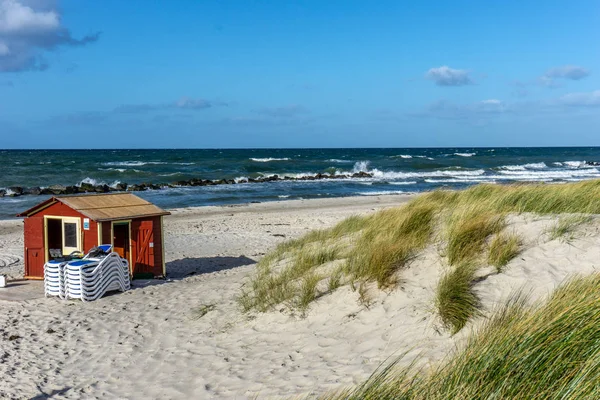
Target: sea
x: 393, y: 170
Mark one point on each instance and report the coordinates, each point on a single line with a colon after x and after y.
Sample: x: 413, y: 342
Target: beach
x: 186, y: 336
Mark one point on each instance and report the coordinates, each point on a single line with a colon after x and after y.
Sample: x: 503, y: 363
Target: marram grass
x: 455, y: 301
x: 545, y: 351
x: 503, y: 248
x: 567, y: 225
x: 377, y: 247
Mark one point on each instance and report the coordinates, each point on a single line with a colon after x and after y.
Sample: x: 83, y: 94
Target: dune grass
x: 503, y: 248
x: 567, y: 225
x: 377, y: 247
x: 468, y: 232
x: 455, y: 301
x: 546, y: 351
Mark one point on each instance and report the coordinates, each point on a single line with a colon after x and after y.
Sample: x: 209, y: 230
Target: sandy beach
x: 186, y: 337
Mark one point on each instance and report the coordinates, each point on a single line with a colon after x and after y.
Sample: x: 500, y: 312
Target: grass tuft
x: 567, y: 225
x: 468, y: 234
x: 455, y: 301
x: 202, y: 310
x: 545, y: 351
x: 503, y: 248
x: 377, y: 247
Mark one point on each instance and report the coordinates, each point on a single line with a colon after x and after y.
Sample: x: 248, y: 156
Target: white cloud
x: 27, y: 30
x: 192, y: 104
x: 446, y: 76
x: 572, y: 72
x: 565, y: 72
x: 589, y: 99
x: 18, y: 18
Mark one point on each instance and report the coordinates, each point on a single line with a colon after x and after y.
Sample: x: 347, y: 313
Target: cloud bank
x: 446, y: 76
x: 28, y: 29
x: 566, y: 72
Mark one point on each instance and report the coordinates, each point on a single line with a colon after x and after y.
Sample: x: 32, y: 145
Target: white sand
x: 148, y: 343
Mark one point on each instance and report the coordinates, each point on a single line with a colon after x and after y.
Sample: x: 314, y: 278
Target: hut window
x: 70, y: 234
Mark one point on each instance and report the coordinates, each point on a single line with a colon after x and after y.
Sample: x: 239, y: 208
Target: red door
x: 144, y: 257
x: 35, y: 263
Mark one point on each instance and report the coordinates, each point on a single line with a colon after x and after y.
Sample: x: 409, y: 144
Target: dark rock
x: 87, y: 187
x: 57, y: 189
x: 72, y: 189
x: 594, y: 163
x: 16, y: 191
x: 362, y: 174
x: 2, y: 192
x: 121, y: 187
x: 137, y: 188
x: 32, y: 190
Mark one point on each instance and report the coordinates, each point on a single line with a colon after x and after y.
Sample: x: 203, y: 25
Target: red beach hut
x: 64, y: 224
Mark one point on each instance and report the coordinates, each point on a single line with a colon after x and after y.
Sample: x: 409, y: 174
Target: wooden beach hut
x: 65, y: 224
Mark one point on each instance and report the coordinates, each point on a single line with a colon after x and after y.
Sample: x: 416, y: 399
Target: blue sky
x: 177, y: 74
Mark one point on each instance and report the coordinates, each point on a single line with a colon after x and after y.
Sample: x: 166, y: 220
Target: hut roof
x: 103, y: 207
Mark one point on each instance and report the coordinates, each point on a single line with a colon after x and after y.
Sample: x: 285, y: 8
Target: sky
x: 274, y: 73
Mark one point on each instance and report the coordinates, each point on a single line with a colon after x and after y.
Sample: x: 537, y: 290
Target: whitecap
x: 540, y: 165
x: 335, y: 160
x: 268, y: 159
x: 382, y: 193
x: 465, y: 154
x: 403, y: 183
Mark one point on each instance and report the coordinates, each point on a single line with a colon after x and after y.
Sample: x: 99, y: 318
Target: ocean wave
x: 113, y: 169
x: 556, y: 174
x: 465, y: 154
x: 408, y: 156
x: 460, y: 180
x: 335, y: 160
x: 268, y: 159
x: 380, y: 193
x: 408, y: 175
x: 577, y: 164
x: 95, y: 182
x: 132, y: 163
x: 524, y: 167
x: 171, y: 174
x: 403, y: 183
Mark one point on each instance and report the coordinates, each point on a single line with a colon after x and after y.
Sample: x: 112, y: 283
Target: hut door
x: 121, y: 239
x: 144, y: 260
x: 70, y: 235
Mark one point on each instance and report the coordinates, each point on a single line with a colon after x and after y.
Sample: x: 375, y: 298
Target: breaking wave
x: 270, y: 159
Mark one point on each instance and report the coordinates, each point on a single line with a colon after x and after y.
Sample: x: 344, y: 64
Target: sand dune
x: 154, y: 342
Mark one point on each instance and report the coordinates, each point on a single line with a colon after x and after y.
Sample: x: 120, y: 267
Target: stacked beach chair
x: 88, y: 278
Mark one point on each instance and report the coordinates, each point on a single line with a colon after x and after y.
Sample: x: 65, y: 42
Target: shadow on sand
x: 181, y: 268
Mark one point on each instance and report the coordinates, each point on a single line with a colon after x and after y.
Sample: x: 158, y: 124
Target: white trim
x: 63, y: 219
x: 112, y: 236
x: 162, y: 238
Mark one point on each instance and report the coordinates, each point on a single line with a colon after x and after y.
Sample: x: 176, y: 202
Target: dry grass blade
x: 455, y: 301
x: 503, y: 248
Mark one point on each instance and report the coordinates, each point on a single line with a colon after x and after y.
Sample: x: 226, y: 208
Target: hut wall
x: 90, y: 236
x: 34, y: 247
x: 146, y: 237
